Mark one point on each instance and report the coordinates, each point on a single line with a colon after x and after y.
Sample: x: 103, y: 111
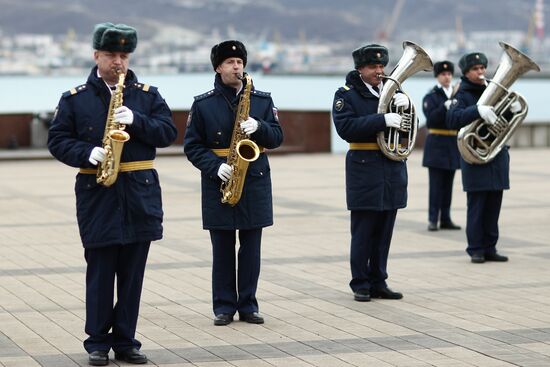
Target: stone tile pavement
x: 454, y: 313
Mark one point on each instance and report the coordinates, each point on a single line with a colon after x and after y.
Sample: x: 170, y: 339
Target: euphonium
x: 242, y: 150
x: 399, y: 143
x: 480, y: 142
x: 113, y: 141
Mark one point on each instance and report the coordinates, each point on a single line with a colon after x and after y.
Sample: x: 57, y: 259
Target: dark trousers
x: 230, y: 295
x: 482, y: 221
x: 127, y: 263
x: 441, y: 192
x: 371, y: 233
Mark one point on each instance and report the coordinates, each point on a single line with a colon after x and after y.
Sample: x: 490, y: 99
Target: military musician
x: 440, y: 150
x: 117, y: 223
x: 376, y: 186
x: 207, y: 142
x: 483, y: 183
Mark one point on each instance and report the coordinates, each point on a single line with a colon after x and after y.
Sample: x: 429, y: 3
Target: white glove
x: 97, y: 155
x: 448, y: 103
x: 401, y: 100
x: 124, y: 115
x: 224, y: 172
x: 515, y: 107
x: 393, y: 120
x: 487, y: 114
x: 249, y: 126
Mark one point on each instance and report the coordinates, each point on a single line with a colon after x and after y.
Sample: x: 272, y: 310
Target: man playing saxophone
x: 207, y: 144
x: 117, y: 223
x: 376, y: 186
x: 483, y: 183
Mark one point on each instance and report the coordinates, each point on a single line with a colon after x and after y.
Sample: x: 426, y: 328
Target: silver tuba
x: 399, y: 143
x: 480, y: 142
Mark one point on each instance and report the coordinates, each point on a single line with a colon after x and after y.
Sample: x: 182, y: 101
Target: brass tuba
x: 242, y: 150
x: 399, y: 143
x: 113, y: 141
x: 480, y: 142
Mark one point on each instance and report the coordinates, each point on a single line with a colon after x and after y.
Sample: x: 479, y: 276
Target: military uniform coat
x: 373, y: 181
x: 492, y: 176
x: 440, y: 151
x: 210, y: 126
x: 130, y: 210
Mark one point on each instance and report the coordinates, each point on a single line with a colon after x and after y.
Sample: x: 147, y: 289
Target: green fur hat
x: 114, y: 38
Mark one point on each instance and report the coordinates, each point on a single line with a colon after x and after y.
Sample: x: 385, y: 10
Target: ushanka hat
x: 369, y: 55
x: 467, y: 61
x: 442, y: 66
x: 114, y: 38
x: 225, y: 50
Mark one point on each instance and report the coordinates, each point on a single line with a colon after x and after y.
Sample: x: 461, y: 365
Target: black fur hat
x: 467, y: 61
x: 225, y: 50
x: 370, y: 54
x: 114, y: 38
x: 442, y: 66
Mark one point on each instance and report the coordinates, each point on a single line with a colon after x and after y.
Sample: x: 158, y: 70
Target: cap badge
x: 234, y: 47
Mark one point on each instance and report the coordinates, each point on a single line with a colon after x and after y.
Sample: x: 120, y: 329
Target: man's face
x: 475, y: 74
x: 369, y: 73
x: 229, y: 69
x: 444, y: 78
x: 109, y: 62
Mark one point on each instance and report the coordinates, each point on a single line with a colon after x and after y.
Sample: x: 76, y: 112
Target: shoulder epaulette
x: 204, y: 95
x: 75, y: 90
x: 260, y: 93
x: 345, y: 88
x: 145, y: 87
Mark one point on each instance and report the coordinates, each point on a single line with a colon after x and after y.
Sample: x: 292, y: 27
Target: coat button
x: 90, y: 128
x: 362, y: 161
x: 146, y: 180
x: 261, y: 173
x: 219, y: 132
x: 88, y: 185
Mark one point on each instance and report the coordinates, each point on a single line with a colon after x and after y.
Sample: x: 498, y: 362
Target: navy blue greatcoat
x: 376, y: 186
x: 477, y: 177
x: 373, y: 181
x: 117, y: 223
x: 441, y: 156
x: 210, y: 126
x: 484, y: 183
x: 440, y: 151
x: 131, y: 209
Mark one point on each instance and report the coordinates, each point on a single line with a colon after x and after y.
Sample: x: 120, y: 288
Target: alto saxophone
x: 242, y: 150
x: 113, y: 141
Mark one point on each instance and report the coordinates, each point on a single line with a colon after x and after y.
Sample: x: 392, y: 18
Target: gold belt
x: 124, y: 167
x: 364, y: 146
x: 224, y: 152
x: 443, y: 132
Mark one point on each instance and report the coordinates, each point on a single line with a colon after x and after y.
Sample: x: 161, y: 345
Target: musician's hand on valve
x: 97, y: 155
x: 224, y: 172
x: 515, y: 107
x: 393, y: 120
x: 249, y: 126
x: 487, y: 114
x: 123, y: 115
x: 400, y: 100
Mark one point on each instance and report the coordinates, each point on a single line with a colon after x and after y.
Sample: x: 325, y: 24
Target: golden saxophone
x: 113, y: 141
x: 242, y: 150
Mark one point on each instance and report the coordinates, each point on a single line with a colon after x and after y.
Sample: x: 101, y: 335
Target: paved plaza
x: 454, y: 313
